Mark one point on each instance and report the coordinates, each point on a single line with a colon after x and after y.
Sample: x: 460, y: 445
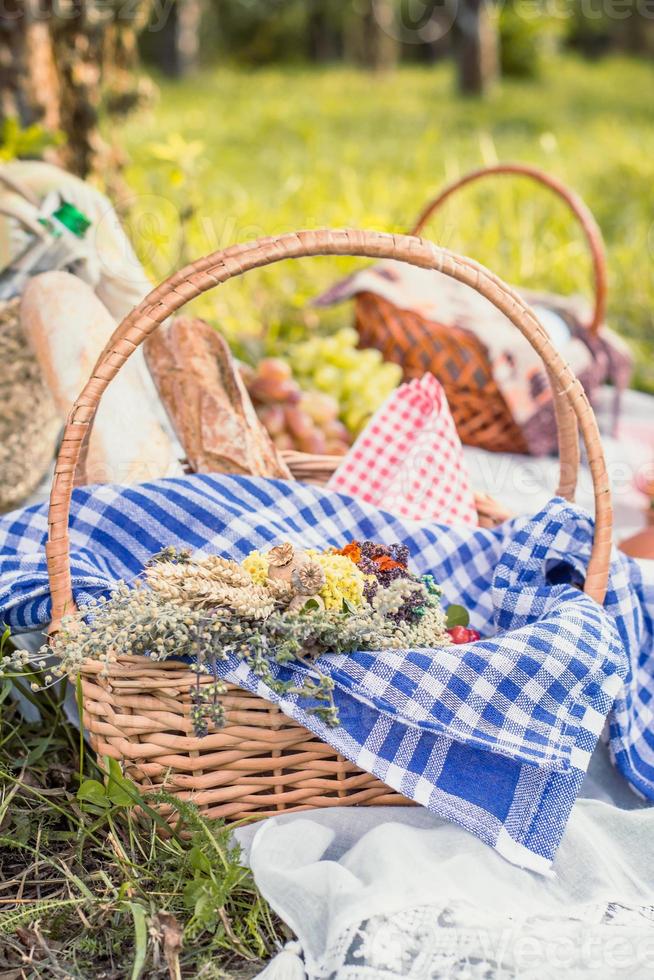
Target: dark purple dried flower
x: 371, y: 564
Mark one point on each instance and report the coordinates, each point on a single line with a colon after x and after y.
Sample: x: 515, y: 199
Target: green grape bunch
x: 358, y: 380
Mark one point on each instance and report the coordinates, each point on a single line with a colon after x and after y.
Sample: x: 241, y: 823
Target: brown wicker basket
x: 455, y: 355
x: 262, y: 762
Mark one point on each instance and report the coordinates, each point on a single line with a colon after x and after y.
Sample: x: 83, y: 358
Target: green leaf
x: 456, y: 616
x: 199, y: 860
x: 118, y: 788
x: 192, y: 891
x: 92, y: 791
x: 348, y: 608
x: 140, y: 939
x: 41, y: 746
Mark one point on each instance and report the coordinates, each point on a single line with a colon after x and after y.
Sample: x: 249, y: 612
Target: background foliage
x: 229, y: 155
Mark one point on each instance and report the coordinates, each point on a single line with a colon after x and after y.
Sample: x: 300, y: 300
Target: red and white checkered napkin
x: 409, y: 461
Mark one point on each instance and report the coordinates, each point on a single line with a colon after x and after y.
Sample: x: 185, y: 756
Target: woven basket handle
x: 223, y: 265
x: 580, y: 210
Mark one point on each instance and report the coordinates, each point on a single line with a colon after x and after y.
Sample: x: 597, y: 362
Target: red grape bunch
x: 306, y: 421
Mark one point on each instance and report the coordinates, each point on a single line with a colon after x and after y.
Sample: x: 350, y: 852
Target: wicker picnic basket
x: 261, y: 762
x: 455, y: 355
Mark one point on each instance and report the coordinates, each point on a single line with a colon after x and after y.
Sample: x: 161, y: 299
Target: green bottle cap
x: 72, y: 218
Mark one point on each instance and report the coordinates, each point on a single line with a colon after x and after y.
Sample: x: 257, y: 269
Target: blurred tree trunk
x: 371, y: 39
x: 476, y: 47
x: 637, y: 33
x: 96, y: 52
x: 320, y: 36
x: 29, y: 87
x: 59, y: 59
x: 78, y: 44
x: 177, y: 52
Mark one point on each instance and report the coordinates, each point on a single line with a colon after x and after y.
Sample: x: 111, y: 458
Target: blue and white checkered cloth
x: 495, y: 735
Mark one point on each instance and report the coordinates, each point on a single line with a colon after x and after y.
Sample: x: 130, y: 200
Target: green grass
x: 87, y: 891
x: 239, y: 154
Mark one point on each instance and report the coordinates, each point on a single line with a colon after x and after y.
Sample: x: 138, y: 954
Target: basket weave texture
x: 262, y: 762
x: 455, y: 355
x: 457, y: 358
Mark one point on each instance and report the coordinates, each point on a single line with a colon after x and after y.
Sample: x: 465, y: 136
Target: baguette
x: 207, y: 402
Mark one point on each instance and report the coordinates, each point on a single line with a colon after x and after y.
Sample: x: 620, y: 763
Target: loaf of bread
x: 29, y: 422
x: 67, y: 326
x: 207, y: 402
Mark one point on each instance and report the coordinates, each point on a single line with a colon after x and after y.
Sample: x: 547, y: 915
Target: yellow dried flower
x: 257, y: 566
x: 343, y: 580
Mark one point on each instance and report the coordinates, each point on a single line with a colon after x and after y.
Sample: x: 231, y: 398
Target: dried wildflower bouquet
x: 275, y: 607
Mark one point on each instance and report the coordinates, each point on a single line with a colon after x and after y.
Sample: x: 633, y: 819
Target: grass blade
x: 140, y: 939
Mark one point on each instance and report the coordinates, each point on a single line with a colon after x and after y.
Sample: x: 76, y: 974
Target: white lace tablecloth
x: 379, y: 893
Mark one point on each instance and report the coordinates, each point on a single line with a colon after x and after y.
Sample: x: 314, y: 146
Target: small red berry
x: 473, y: 635
x: 459, y: 634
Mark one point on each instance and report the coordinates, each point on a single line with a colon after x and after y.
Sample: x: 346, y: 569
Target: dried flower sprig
x: 207, y: 609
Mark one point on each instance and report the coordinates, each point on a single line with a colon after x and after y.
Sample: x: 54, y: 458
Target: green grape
x: 341, y: 359
x: 370, y: 356
x: 354, y: 418
x: 327, y: 378
x: 346, y: 336
x: 389, y: 374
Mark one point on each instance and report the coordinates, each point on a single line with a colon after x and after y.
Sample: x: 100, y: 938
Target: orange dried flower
x: 385, y: 563
x: 351, y: 551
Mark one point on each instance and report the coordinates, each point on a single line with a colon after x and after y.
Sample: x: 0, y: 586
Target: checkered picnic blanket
x: 495, y: 735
